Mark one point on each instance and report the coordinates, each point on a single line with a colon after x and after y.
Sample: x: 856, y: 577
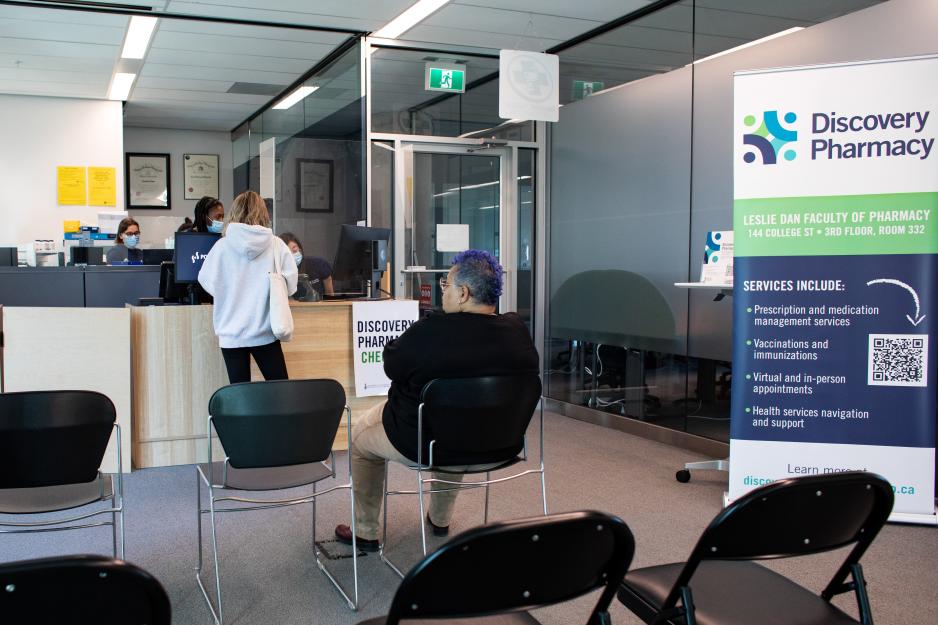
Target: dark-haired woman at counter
x: 317, y: 269
x: 125, y: 247
x: 209, y: 217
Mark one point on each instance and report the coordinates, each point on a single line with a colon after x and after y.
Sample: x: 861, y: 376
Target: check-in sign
x: 374, y: 325
x: 442, y: 77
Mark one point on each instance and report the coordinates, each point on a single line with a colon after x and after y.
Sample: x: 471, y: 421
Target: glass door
x: 453, y: 198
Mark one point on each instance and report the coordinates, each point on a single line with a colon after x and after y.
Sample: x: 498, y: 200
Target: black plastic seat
x: 494, y: 574
x: 52, y: 444
x: 81, y: 589
x: 720, y: 585
x: 276, y: 435
x: 479, y: 423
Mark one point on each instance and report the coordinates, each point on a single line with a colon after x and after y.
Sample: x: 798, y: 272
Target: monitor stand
x: 192, y: 295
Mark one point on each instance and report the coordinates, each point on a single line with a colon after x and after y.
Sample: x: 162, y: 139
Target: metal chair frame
x: 420, y: 468
x: 263, y: 504
x: 116, y: 510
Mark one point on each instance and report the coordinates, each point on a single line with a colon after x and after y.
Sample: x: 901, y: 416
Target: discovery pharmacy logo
x: 769, y: 138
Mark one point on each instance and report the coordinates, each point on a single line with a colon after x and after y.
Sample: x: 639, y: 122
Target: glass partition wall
x: 641, y: 170
x: 444, y: 165
x: 307, y: 160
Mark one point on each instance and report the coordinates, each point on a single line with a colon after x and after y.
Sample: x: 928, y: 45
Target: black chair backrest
x: 277, y: 423
x: 477, y: 420
x: 518, y: 565
x: 795, y: 517
x: 799, y: 516
x: 49, y: 438
x: 81, y: 589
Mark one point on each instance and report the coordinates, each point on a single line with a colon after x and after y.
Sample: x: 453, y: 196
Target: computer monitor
x: 191, y: 248
x: 156, y: 257
x: 79, y: 255
x: 362, y: 255
x: 8, y: 257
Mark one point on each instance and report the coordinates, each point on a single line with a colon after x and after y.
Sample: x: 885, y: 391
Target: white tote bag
x: 281, y: 319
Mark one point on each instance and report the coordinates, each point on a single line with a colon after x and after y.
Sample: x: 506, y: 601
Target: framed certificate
x: 314, y: 185
x: 147, y: 180
x: 200, y: 176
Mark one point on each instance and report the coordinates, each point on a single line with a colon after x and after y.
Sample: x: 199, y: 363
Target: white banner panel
x: 835, y: 271
x: 528, y: 86
x: 374, y: 325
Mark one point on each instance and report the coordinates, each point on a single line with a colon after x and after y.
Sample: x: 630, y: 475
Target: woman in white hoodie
x: 235, y: 272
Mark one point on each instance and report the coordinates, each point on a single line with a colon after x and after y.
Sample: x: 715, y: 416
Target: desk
x: 78, y: 287
x: 177, y: 365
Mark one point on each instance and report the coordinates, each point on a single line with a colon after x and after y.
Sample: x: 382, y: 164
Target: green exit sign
x: 585, y: 88
x: 445, y: 78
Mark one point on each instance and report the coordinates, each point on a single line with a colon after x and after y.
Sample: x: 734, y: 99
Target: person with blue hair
x: 469, y: 340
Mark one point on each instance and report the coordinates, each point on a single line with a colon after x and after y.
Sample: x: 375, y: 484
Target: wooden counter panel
x: 73, y: 349
x: 178, y: 365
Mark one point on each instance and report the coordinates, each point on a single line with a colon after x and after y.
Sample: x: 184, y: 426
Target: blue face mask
x: 216, y: 226
x: 298, y: 257
x: 132, y: 240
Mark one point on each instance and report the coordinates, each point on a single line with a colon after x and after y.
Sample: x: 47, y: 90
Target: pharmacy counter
x: 177, y: 365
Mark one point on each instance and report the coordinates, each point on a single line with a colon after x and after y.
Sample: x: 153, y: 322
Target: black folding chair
x: 276, y: 435
x: 719, y: 585
x: 500, y: 571
x: 52, y: 444
x: 81, y: 589
x: 471, y: 421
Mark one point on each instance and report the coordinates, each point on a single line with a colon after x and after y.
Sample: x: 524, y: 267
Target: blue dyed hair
x: 480, y: 271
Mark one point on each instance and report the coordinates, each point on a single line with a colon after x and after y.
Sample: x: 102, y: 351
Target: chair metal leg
x: 543, y: 489
x: 211, y: 508
x: 382, y: 548
x: 114, y: 531
x: 423, y: 517
x: 216, y: 615
x: 384, y: 507
x: 315, y: 548
x: 198, y: 518
x: 485, y: 513
x: 352, y: 604
x: 122, y: 544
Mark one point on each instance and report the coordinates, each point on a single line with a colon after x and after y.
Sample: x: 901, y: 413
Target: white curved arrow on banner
x: 917, y: 320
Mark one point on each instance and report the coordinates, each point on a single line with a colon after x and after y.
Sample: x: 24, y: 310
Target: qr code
x: 898, y: 360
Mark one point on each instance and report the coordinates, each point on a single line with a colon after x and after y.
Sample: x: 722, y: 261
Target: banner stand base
x: 914, y: 519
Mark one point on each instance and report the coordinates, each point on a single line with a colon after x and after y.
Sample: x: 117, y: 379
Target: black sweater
x: 453, y: 345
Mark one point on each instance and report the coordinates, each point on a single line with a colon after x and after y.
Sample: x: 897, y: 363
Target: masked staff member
x: 125, y: 248
x: 209, y: 217
x: 317, y: 269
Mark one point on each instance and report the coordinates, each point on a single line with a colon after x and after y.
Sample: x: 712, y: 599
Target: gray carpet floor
x: 269, y: 576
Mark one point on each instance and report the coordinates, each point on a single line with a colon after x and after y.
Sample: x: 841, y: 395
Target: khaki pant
x: 370, y: 447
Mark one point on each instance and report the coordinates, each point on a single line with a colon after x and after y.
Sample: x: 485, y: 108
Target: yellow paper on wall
x: 102, y: 186
x: 72, y: 186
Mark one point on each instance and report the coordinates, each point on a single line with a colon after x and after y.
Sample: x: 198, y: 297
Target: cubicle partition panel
x: 67, y: 349
x: 77, y: 287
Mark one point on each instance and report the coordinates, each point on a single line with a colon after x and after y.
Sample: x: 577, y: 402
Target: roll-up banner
x: 836, y: 245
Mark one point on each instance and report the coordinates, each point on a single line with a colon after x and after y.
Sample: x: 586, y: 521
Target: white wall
x: 158, y: 224
x: 40, y: 134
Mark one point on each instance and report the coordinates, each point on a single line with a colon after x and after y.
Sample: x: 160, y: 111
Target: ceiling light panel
x: 120, y: 86
x: 139, y: 32
x: 295, y: 97
x: 418, y: 12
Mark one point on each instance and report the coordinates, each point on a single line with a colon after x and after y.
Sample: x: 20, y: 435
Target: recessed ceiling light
x: 751, y: 43
x: 295, y: 97
x: 120, y: 86
x: 138, y: 37
x: 418, y: 12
